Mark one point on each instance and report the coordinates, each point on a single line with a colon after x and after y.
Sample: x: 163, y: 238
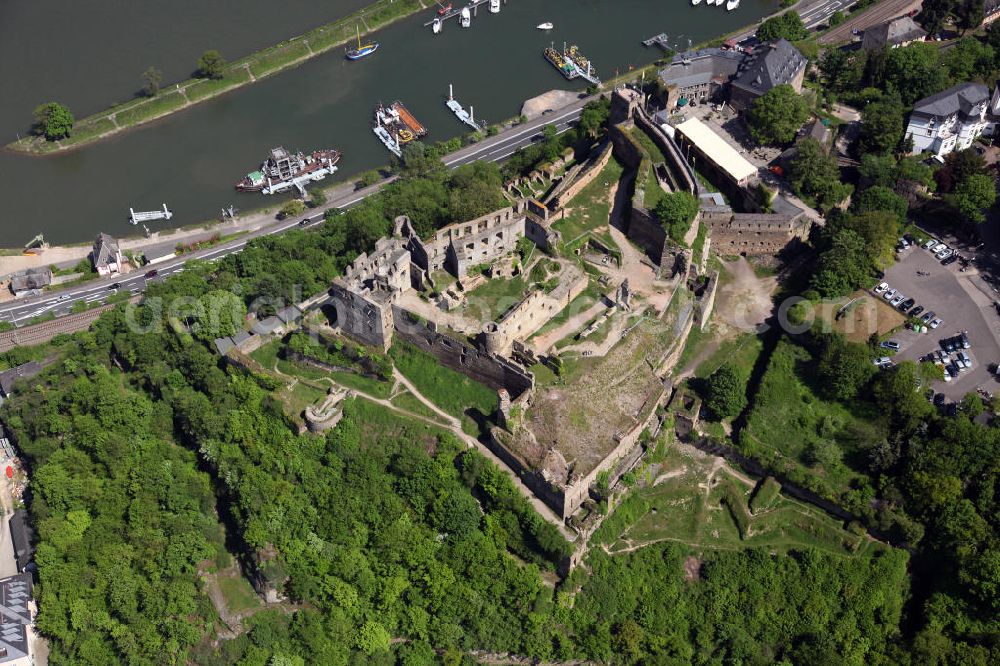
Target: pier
x: 658, y: 40
x: 147, y: 216
x: 456, y: 11
x: 466, y: 117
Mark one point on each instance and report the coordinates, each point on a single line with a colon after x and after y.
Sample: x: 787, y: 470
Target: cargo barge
x: 395, y: 126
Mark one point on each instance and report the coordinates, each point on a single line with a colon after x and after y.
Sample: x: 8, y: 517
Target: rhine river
x: 90, y: 53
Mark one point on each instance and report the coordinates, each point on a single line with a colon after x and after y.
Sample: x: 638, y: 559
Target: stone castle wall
x: 489, y: 369
x: 753, y: 234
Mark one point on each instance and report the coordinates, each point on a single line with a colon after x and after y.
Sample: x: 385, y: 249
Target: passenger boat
x: 544, y: 26
x: 494, y: 6
x: 732, y: 4
x: 281, y: 168
x: 466, y: 17
x: 436, y: 26
x: 363, y: 49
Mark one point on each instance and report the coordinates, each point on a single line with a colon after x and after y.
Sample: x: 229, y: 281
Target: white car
x: 965, y: 358
x: 931, y: 242
x: 934, y: 323
x: 937, y: 247
x: 64, y: 297
x: 944, y: 253
x: 881, y: 287
x: 896, y: 300
x: 889, y: 294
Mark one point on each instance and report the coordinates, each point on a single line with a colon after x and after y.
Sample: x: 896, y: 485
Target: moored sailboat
x: 363, y: 49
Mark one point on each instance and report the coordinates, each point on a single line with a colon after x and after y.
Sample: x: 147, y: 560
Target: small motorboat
x: 437, y: 25
x: 695, y: 2
x: 444, y: 9
x: 544, y: 26
x: 494, y: 6
x: 466, y: 17
x: 732, y: 4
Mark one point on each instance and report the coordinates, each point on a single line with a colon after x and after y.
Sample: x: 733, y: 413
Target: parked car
x: 939, y: 399
x: 964, y: 338
x: 927, y: 316
x: 907, y: 304
x: 885, y: 360
x: 888, y: 295
x: 944, y: 254
x: 934, y: 323
x: 947, y: 261
x: 959, y: 363
x: 930, y: 243
x: 949, y: 373
x: 881, y: 287
x: 896, y: 300
x: 903, y: 244
x: 948, y: 344
x: 915, y: 312
x: 890, y: 344
x: 965, y: 358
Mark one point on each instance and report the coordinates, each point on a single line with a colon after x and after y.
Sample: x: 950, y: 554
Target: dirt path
x: 744, y: 301
x: 544, y: 342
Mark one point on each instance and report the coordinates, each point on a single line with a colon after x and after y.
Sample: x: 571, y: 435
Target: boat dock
x: 658, y: 40
x: 466, y: 117
x: 455, y: 11
x: 146, y: 216
x: 299, y: 182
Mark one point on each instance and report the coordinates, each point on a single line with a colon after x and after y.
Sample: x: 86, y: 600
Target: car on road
x: 916, y: 311
x: 64, y: 297
x: 151, y: 274
x: 115, y: 287
x: 303, y: 222
x: 934, y: 323
x: 881, y: 287
x: 888, y: 295
x: 907, y: 304
x: 890, y: 344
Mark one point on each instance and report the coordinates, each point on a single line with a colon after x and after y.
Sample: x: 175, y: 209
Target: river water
x: 89, y: 53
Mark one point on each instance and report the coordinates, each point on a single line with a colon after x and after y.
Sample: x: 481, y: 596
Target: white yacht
x: 544, y: 26
x: 494, y: 6
x: 732, y: 4
x: 466, y: 18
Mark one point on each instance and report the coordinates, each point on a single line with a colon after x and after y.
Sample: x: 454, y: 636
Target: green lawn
x: 591, y: 207
x: 452, y: 391
x: 149, y: 108
x: 678, y: 509
x: 238, y: 593
x: 742, y: 351
x: 494, y: 297
x: 795, y: 431
x: 208, y: 87
x: 278, y: 57
x: 409, y: 402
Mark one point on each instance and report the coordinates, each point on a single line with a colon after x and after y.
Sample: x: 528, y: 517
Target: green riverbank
x: 263, y: 63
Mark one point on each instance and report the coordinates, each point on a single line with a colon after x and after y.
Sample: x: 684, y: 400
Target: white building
x: 951, y: 120
x: 107, y: 256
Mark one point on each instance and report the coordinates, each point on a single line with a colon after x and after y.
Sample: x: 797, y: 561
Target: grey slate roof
x: 105, y: 250
x: 892, y: 33
x: 266, y: 326
x: 691, y: 69
x: 240, y: 337
x: 224, y: 345
x: 966, y: 99
x: 289, y: 313
x: 25, y: 371
x: 770, y: 65
x: 33, y: 278
x: 15, y: 594
x: 22, y: 537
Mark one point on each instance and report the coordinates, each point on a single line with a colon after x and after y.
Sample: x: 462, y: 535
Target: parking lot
x: 951, y: 295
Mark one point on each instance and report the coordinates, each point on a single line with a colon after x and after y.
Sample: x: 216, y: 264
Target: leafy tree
x: 814, y: 174
x: 211, y: 65
x: 676, y: 211
x: 777, y: 115
x: 317, y: 197
x: 974, y: 194
x: 844, y: 367
x: 151, y: 79
x: 788, y: 26
x: 881, y: 198
x: 221, y: 315
x: 837, y: 18
x: 368, y: 178
x: 881, y: 126
x: 53, y: 121
x: 844, y: 267
x: 843, y: 71
x: 969, y: 59
x: 912, y: 72
x: 877, y: 170
x: 291, y: 208
x: 725, y: 392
